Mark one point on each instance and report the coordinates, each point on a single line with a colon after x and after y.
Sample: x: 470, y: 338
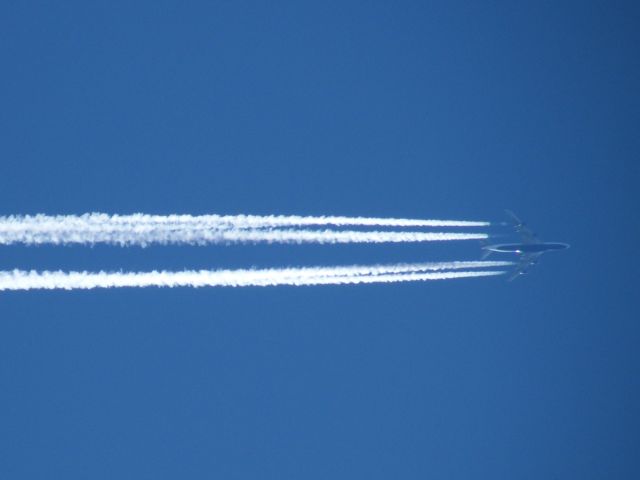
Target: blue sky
x: 411, y: 109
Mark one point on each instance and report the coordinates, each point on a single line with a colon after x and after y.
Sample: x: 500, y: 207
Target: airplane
x: 529, y: 250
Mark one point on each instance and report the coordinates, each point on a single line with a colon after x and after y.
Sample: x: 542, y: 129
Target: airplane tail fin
x: 485, y: 252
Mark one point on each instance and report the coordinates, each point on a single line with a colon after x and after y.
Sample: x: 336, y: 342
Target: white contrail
x: 187, y: 235
x: 225, y: 221
x: 140, y: 229
x: 15, y: 277
x: 23, y: 280
x: 382, y: 269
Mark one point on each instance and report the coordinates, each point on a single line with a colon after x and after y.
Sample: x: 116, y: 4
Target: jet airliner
x: 529, y: 250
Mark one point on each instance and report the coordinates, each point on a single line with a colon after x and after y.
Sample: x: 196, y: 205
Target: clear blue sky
x: 406, y: 109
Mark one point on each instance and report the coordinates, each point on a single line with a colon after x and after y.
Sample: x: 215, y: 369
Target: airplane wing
x: 527, y: 261
x: 528, y: 236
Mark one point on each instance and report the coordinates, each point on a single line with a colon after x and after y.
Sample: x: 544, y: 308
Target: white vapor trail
x: 133, y: 234
x: 223, y: 221
x: 23, y: 280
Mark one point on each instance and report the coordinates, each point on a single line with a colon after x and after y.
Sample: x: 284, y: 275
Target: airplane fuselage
x: 526, y: 247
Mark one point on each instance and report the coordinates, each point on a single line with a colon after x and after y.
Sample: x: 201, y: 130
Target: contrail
x: 224, y: 221
x: 141, y: 229
x: 381, y: 269
x: 143, y: 235
x: 23, y: 280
